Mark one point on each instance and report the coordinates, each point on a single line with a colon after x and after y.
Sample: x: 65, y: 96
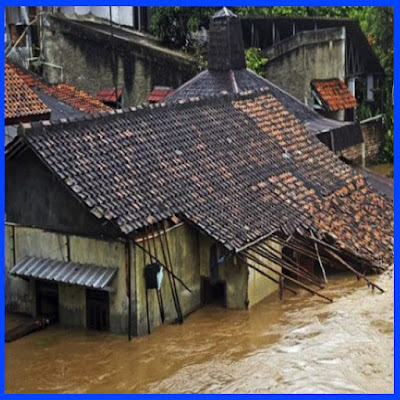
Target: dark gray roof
x: 346, y: 134
x: 64, y: 272
x: 58, y: 108
x: 10, y: 132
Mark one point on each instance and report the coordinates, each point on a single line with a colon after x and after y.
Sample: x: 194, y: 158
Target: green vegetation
x: 255, y: 61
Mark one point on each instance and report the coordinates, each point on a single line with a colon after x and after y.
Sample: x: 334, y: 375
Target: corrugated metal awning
x: 90, y: 276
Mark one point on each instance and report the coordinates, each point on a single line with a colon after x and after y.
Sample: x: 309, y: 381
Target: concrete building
x: 225, y: 195
x: 315, y: 48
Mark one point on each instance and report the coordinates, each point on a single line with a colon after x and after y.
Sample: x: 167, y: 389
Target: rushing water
x: 299, y: 345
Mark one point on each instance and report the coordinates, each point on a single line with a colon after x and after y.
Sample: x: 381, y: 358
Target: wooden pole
x: 361, y: 276
x: 302, y: 285
x: 276, y: 260
x: 319, y: 258
x: 242, y: 259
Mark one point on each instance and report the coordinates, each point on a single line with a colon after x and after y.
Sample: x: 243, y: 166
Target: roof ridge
x: 143, y: 108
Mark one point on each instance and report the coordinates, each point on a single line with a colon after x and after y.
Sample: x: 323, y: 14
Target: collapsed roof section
x: 240, y: 167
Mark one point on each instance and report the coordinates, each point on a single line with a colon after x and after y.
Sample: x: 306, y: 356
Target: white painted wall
x: 122, y: 15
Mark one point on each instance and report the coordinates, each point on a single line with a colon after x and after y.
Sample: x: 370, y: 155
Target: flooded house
x: 126, y: 219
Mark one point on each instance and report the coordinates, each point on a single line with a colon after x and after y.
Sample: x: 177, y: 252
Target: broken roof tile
x: 334, y: 94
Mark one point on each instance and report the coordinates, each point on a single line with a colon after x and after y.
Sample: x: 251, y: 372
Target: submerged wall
x: 21, y: 295
x: 190, y: 255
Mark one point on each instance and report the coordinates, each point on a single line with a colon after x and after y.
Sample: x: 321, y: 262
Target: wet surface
x: 378, y: 177
x: 300, y: 345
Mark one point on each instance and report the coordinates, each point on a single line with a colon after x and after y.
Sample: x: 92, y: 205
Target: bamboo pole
x: 166, y: 268
x: 305, y: 287
x: 319, y: 258
x: 295, y: 264
x: 264, y: 274
x: 275, y: 259
x: 361, y: 276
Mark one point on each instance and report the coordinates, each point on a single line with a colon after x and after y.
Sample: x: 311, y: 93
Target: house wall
x: 260, y: 286
x: 374, y: 136
x: 41, y: 200
x: 310, y: 55
x: 140, y: 64
x: 35, y: 242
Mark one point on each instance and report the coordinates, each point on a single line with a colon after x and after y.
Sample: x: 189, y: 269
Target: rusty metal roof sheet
x: 64, y: 272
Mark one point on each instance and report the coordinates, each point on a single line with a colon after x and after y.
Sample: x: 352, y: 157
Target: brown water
x: 300, y: 345
x: 382, y: 169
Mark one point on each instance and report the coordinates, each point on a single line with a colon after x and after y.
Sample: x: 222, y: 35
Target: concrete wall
x: 139, y: 65
x: 295, y: 62
x: 184, y: 251
x: 260, y: 286
x: 21, y: 296
x: 190, y: 254
x: 374, y: 136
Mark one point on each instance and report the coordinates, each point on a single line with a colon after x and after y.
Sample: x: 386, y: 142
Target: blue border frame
x: 217, y: 3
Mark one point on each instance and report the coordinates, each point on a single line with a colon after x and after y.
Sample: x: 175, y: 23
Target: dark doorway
x: 97, y: 310
x: 47, y: 300
x: 212, y: 293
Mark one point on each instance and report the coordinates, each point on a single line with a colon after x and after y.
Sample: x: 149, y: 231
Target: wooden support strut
x: 319, y: 258
x: 242, y: 259
x: 173, y: 280
x: 276, y: 260
x: 305, y: 287
x: 164, y: 266
x: 173, y: 293
x: 296, y: 265
x: 359, y: 275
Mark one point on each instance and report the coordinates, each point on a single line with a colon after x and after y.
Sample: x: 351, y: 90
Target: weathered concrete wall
x: 86, y: 57
x: 184, y: 251
x: 234, y: 274
x: 295, y: 62
x: 374, y: 136
x: 260, y: 286
x: 108, y: 255
x: 21, y: 296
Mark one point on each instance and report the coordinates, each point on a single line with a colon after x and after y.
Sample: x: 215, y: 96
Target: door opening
x: 212, y: 293
x: 47, y: 300
x: 97, y: 310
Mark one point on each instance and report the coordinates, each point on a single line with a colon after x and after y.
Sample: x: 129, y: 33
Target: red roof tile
x: 334, y: 94
x: 65, y: 92
x: 21, y: 103
x: 108, y: 95
x: 159, y: 93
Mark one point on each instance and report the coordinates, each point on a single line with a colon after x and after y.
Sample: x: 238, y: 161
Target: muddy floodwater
x: 299, y: 345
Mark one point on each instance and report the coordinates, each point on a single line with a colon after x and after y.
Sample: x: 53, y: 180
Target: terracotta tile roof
x: 21, y: 103
x: 159, y: 93
x: 237, y: 166
x: 109, y: 95
x: 207, y: 83
x: 64, y: 92
x: 334, y: 94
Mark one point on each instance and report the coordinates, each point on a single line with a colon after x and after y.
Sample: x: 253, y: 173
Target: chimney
x: 226, y: 48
